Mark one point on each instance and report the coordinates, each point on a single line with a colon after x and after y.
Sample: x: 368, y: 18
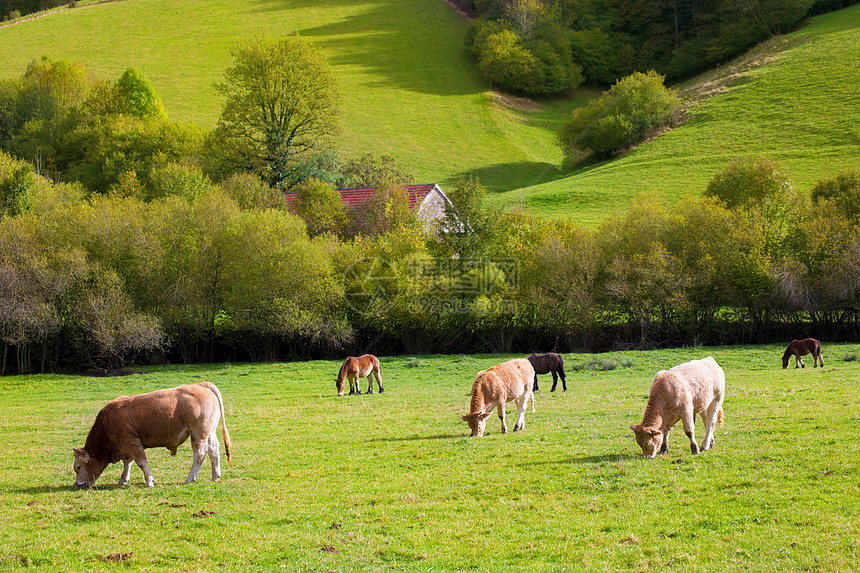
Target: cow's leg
x: 140, y: 459
x: 709, y: 418
x: 213, y: 448
x: 126, y: 471
x: 563, y: 381
x: 687, y: 417
x: 664, y: 447
x: 535, y: 385
x: 501, y: 413
x: 198, y: 450
x: 554, y: 381
x: 370, y: 383
x: 522, y: 402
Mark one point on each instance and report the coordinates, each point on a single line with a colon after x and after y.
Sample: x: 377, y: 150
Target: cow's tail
x: 226, y: 435
x: 720, y: 417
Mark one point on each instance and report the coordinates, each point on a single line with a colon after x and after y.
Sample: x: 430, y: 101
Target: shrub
x: 844, y: 191
x: 541, y: 65
x: 624, y: 115
x: 507, y: 63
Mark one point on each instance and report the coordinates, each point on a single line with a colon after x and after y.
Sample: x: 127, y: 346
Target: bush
x: 624, y: 115
x: 542, y: 65
x: 844, y: 191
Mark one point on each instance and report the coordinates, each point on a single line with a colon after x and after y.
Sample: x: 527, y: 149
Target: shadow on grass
x: 418, y: 438
x: 390, y: 42
x: 53, y: 489
x: 587, y: 460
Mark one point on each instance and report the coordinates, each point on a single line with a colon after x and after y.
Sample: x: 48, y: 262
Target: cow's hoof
x: 122, y: 482
x: 381, y: 390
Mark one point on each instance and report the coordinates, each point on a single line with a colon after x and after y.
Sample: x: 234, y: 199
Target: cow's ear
x: 465, y: 418
x: 83, y: 455
x: 484, y: 415
x: 651, y: 431
x: 635, y: 427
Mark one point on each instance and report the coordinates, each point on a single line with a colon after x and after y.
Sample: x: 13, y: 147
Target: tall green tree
x: 281, y: 104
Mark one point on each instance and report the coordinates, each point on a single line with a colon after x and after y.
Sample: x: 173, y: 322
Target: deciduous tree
x: 281, y: 103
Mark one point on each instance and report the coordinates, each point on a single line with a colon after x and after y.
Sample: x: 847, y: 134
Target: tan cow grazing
x: 128, y: 425
x: 695, y: 387
x: 353, y: 368
x: 494, y: 387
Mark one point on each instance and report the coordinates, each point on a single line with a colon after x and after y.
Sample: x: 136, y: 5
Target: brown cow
x: 799, y: 348
x: 128, y: 425
x: 494, y: 387
x: 695, y: 387
x: 354, y: 368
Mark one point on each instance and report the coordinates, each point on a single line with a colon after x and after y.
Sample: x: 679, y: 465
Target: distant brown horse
x: 354, y: 368
x: 800, y: 348
x: 546, y: 363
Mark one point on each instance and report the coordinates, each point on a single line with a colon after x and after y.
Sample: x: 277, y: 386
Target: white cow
x: 695, y: 387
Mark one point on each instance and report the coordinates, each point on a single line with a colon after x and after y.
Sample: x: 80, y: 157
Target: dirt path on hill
x: 43, y: 13
x: 459, y: 9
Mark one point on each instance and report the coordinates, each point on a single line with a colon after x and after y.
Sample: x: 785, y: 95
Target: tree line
x: 102, y: 280
x: 536, y: 47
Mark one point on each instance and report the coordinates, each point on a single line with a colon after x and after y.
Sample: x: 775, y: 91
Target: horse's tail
x: 720, y: 417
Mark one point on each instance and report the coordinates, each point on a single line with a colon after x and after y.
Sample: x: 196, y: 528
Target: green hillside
x: 409, y: 87
x: 801, y: 108
x: 411, y: 90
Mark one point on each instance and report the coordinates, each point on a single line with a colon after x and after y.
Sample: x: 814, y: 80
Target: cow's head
x: 340, y: 384
x: 477, y: 422
x: 785, y: 360
x: 87, y: 469
x: 649, y: 439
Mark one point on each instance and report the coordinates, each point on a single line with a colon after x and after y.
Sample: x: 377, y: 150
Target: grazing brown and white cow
x: 494, y: 387
x: 128, y: 425
x: 799, y: 348
x: 354, y: 368
x: 695, y: 387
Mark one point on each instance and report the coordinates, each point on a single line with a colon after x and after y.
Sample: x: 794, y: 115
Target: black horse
x: 546, y: 363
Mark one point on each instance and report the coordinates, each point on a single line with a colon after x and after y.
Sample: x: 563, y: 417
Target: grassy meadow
x: 411, y: 90
x: 392, y: 482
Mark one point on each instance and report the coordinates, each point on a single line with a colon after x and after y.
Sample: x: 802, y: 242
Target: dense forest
x: 538, y: 47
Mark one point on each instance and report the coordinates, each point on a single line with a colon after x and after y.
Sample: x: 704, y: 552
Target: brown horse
x: 354, y: 368
x: 546, y: 363
x: 800, y: 348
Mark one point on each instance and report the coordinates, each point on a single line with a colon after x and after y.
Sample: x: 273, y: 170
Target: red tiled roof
x: 355, y: 198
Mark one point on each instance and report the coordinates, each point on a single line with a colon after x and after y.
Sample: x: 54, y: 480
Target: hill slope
x: 802, y: 108
x: 409, y: 87
x: 412, y: 91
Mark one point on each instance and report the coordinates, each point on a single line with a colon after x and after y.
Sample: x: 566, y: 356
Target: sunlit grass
x: 392, y: 482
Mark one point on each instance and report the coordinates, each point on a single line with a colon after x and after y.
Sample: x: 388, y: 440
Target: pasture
x: 391, y: 482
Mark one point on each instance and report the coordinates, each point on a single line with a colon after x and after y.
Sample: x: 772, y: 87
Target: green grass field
x: 391, y: 482
x: 411, y: 90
